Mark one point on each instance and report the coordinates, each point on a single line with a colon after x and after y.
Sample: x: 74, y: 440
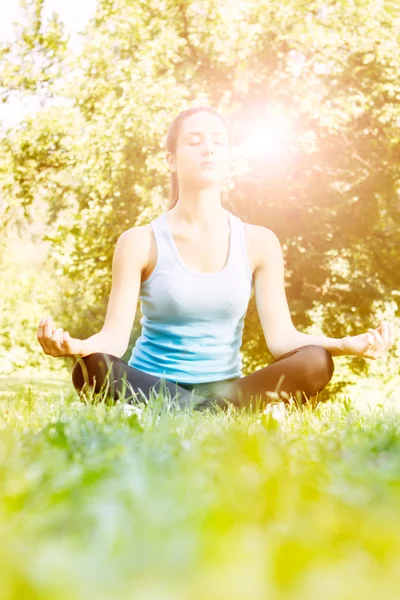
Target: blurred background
x: 311, y: 92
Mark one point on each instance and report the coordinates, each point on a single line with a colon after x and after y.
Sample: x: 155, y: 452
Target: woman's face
x: 202, y: 137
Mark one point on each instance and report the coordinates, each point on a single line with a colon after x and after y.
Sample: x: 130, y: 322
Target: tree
x: 333, y: 198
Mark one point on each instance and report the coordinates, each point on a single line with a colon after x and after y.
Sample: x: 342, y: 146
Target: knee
x: 83, y: 371
x: 318, y: 368
x: 78, y: 378
x: 93, y: 369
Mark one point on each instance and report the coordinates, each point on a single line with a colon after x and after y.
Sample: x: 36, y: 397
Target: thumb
x: 65, y: 337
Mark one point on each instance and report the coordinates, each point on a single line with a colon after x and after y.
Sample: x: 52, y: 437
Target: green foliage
x: 97, y: 157
x: 28, y: 291
x: 34, y: 62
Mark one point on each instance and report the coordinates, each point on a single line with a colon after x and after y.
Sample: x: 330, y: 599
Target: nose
x: 208, y: 145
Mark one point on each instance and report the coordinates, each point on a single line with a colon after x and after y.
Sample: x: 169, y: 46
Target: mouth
x: 209, y: 164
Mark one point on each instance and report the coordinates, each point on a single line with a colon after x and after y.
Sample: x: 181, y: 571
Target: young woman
x: 193, y: 268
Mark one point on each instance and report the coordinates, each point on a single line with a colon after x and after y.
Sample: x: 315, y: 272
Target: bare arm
x: 334, y: 345
x: 101, y: 342
x: 130, y: 256
x: 128, y: 261
x: 280, y: 334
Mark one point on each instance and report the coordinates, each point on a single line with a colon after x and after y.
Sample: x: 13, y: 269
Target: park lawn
x: 167, y: 504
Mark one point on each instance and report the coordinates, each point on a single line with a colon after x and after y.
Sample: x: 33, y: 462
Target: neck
x: 200, y: 209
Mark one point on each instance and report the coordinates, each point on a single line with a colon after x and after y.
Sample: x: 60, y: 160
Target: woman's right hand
x: 57, y: 342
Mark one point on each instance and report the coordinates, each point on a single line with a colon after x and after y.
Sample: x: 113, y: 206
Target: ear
x: 171, y: 161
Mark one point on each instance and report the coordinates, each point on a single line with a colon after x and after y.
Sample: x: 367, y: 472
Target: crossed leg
x: 105, y: 373
x: 300, y: 373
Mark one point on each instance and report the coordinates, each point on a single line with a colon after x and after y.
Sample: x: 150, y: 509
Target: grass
x: 169, y: 504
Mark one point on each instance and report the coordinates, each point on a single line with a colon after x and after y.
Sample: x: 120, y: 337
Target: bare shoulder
x: 264, y: 244
x: 138, y: 239
x: 137, y: 233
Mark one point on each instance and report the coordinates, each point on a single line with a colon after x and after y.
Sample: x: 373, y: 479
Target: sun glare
x: 267, y: 136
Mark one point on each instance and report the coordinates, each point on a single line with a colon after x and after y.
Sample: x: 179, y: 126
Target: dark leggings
x: 299, y: 374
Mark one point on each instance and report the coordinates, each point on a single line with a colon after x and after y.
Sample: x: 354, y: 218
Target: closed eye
x: 196, y: 143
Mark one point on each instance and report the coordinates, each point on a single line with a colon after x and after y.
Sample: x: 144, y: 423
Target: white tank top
x: 192, y: 322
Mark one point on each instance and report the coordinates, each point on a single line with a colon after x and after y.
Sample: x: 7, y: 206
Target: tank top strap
x: 158, y: 228
x: 165, y: 248
x: 165, y: 257
x: 239, y: 248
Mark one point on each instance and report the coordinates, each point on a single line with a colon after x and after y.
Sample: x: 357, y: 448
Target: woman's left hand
x: 372, y: 344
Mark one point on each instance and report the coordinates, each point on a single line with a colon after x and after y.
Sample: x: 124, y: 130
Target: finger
x: 65, y: 340
x: 46, y: 335
x: 378, y: 343
x: 56, y: 340
x: 48, y: 328
x: 56, y: 335
x: 382, y: 342
x: 39, y: 334
x: 388, y: 336
x: 382, y: 330
x: 371, y: 339
x: 372, y: 349
x: 385, y: 332
x: 66, y: 343
x: 378, y: 338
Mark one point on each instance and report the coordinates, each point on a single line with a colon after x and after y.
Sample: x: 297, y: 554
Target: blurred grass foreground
x: 163, y: 503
